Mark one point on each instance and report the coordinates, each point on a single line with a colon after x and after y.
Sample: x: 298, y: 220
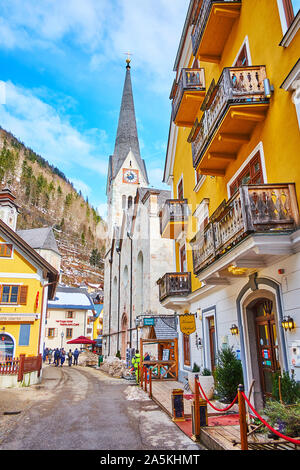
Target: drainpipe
x: 130, y: 325
x: 42, y: 305
x: 109, y: 315
x: 119, y: 299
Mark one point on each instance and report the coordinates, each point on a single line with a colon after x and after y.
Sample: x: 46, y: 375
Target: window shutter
x: 55, y: 332
x: 23, y: 295
x: 24, y: 335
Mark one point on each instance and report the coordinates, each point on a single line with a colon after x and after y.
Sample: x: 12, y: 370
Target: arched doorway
x: 263, y: 349
x: 124, y: 329
x: 6, y: 347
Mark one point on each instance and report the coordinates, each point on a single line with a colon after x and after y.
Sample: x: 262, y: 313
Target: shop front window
x: 6, y: 347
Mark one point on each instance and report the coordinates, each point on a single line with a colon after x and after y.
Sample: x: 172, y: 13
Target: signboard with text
x: 187, y: 323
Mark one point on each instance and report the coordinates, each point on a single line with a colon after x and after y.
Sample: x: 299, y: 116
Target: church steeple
x: 127, y: 135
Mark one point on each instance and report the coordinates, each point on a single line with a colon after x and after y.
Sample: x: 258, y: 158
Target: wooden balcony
x: 232, y: 110
x: 214, y: 24
x: 188, y: 95
x: 266, y: 209
x: 174, y: 285
x: 174, y: 218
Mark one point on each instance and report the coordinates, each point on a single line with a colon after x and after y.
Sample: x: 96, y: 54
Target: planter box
x: 206, y: 381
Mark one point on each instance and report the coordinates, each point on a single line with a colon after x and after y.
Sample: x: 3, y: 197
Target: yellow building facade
x: 233, y: 166
x: 26, y: 283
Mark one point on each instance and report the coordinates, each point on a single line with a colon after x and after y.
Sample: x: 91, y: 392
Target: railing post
x: 142, y: 375
x: 21, y: 367
x: 196, y: 434
x: 145, y: 375
x: 40, y: 364
x: 242, y: 416
x: 150, y: 382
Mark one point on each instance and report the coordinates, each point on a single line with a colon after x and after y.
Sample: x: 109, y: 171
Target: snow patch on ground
x: 136, y: 393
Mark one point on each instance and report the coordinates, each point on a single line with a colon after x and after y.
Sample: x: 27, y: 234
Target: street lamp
x: 62, y: 337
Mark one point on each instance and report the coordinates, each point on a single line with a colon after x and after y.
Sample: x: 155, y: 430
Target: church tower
x: 127, y: 170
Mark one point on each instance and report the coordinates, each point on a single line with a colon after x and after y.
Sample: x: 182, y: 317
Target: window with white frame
x: 288, y: 10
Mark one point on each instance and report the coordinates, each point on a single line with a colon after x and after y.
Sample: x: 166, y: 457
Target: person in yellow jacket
x: 135, y: 361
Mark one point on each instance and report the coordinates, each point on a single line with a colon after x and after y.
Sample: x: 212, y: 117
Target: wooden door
x: 212, y: 342
x: 267, y: 345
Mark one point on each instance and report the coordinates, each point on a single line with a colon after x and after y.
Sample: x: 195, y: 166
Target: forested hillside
x: 47, y: 198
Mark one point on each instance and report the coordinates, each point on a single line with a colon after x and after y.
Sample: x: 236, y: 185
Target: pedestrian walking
x: 76, y: 354
x: 70, y: 356
x: 136, y: 364
x: 45, y: 354
x: 62, y: 357
x: 56, y: 357
x: 50, y: 354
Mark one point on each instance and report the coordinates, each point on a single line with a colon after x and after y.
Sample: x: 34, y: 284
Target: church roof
x: 40, y: 238
x: 127, y: 136
x: 163, y: 194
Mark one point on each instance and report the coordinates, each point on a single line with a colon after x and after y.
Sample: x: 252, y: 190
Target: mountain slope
x: 47, y: 198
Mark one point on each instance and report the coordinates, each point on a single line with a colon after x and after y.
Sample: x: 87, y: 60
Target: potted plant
x: 205, y: 379
x: 228, y: 375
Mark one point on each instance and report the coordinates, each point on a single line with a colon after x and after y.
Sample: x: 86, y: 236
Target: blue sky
x: 63, y: 65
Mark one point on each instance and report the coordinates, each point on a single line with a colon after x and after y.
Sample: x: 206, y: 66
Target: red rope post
x: 242, y: 416
x: 150, y: 382
x: 197, y: 410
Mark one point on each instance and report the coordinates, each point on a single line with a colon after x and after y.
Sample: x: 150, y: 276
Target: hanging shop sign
x: 148, y: 321
x: 187, y: 323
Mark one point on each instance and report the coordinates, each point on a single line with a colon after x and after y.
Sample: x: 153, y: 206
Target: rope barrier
x: 217, y: 409
x: 294, y: 441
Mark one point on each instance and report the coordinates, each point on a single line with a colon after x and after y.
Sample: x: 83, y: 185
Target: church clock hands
x: 130, y: 176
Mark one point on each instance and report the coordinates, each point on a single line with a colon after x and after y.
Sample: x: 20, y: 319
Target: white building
x: 69, y: 315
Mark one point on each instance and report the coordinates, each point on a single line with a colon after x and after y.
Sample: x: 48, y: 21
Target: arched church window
x: 129, y: 202
x: 123, y: 202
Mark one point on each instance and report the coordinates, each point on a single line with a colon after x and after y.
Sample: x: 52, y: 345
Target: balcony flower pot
x: 206, y: 382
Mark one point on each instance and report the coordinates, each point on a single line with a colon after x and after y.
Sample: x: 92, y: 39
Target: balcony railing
x: 174, y: 212
x: 265, y: 208
x: 237, y: 85
x: 202, y: 21
x: 192, y: 80
x: 174, y: 284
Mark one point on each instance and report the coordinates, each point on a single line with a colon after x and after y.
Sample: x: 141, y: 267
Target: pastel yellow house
x: 27, y: 281
x: 233, y: 167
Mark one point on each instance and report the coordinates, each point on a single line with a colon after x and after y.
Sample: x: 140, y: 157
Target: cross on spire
x: 128, y: 60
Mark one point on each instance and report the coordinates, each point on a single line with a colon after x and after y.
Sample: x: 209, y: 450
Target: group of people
x: 60, y: 355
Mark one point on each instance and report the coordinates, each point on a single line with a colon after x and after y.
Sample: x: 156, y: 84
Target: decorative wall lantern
x: 288, y: 323
x: 198, y: 341
x: 234, y: 330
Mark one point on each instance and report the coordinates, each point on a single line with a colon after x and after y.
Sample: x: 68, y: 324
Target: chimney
x: 8, y: 208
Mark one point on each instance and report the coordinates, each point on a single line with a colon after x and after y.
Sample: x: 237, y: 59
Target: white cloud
x: 81, y: 186
x: 102, y: 29
x: 50, y: 134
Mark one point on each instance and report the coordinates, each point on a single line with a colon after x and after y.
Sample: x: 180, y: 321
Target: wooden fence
x: 22, y: 365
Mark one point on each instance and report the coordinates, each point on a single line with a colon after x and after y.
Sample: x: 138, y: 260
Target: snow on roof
x: 71, y: 298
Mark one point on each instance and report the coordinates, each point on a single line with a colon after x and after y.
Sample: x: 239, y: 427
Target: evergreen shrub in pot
x: 228, y: 375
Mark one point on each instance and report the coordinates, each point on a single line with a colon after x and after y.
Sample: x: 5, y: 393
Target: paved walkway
x: 81, y: 408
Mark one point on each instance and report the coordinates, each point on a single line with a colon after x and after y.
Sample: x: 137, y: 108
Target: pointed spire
x: 127, y: 136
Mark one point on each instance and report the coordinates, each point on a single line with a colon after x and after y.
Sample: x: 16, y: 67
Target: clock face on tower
x: 130, y: 176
